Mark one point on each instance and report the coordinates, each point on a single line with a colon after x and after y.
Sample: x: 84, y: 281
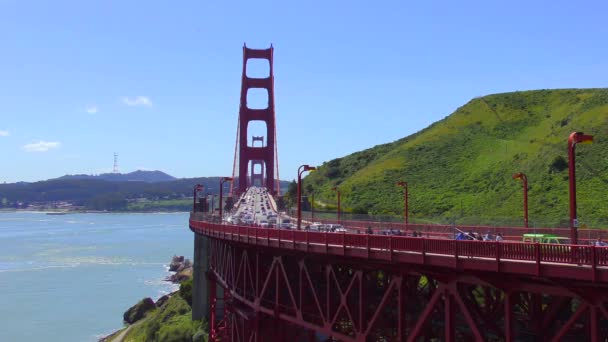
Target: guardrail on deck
x: 391, y: 247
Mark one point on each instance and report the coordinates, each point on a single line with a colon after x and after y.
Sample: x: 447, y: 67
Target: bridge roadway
x: 548, y: 260
x: 280, y: 283
x: 260, y: 199
x: 257, y: 204
x: 552, y: 260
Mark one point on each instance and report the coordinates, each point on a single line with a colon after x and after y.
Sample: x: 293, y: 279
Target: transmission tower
x: 115, y: 163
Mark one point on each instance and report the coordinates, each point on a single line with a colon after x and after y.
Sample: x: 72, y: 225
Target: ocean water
x: 71, y: 277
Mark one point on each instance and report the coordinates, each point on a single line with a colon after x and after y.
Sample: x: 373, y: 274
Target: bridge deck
x: 588, y: 263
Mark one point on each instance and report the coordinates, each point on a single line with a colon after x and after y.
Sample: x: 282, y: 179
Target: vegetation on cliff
x: 460, y: 169
x: 170, y: 322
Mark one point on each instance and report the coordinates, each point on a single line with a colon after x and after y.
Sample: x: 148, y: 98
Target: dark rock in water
x: 176, y: 262
x: 182, y: 276
x: 162, y: 300
x: 182, y: 268
x: 179, y: 277
x: 139, y: 310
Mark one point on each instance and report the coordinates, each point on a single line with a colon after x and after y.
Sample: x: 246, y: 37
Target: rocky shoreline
x: 182, y: 269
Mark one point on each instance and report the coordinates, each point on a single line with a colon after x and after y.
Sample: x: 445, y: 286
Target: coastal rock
x: 162, y: 300
x: 182, y: 268
x: 176, y: 262
x: 183, y: 275
x: 139, y: 310
x: 180, y: 276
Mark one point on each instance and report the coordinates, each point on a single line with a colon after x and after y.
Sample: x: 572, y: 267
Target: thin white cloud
x: 92, y: 109
x: 137, y: 101
x: 4, y: 133
x: 41, y: 146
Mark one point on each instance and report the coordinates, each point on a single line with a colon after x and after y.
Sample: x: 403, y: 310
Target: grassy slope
x: 171, y: 322
x: 460, y: 168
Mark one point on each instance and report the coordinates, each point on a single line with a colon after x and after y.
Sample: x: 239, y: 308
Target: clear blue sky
x: 158, y: 82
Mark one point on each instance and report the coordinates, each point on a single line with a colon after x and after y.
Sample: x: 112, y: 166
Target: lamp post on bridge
x: 222, y: 180
x: 573, y: 139
x: 335, y: 188
x: 405, y: 208
x: 312, y: 207
x: 198, y: 188
x: 524, y: 179
x: 302, y: 169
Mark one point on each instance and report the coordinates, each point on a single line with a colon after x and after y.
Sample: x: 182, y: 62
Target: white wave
x: 170, y: 289
x: 155, y: 282
x: 12, y: 219
x: 38, y: 268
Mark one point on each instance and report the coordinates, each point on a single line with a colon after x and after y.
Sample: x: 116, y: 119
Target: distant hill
x: 136, y: 176
x: 460, y: 169
x: 101, y: 194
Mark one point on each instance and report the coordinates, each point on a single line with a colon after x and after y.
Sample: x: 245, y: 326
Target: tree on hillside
x: 290, y: 196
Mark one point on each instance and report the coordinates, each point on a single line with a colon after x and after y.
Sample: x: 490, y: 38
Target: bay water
x: 71, y: 277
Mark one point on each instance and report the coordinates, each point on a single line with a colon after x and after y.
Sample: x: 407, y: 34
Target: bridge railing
x: 504, y: 250
x: 518, y: 251
x: 447, y: 230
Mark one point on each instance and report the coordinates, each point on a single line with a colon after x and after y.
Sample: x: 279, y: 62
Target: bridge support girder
x: 280, y: 295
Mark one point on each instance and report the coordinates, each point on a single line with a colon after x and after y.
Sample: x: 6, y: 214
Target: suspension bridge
x: 257, y: 283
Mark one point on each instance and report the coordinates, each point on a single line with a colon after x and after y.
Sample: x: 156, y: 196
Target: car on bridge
x: 391, y: 231
x: 335, y: 228
x: 545, y: 238
x: 316, y: 226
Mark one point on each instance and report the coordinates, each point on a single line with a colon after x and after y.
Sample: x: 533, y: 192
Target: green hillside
x: 460, y: 168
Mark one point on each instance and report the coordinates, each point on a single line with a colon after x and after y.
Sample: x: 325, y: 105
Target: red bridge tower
x: 265, y: 156
x: 257, y: 178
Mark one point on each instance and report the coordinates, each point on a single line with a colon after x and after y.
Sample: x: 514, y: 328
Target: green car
x: 545, y: 238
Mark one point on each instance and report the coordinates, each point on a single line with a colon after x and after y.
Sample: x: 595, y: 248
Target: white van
x: 316, y: 226
x: 336, y: 228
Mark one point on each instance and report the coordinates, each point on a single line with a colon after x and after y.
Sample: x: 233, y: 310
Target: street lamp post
x: 524, y: 179
x: 335, y: 188
x: 301, y: 169
x: 222, y: 180
x: 198, y: 188
x: 573, y: 139
x: 405, y: 198
x: 312, y: 207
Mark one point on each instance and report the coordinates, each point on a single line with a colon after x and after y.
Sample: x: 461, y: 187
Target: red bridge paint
x: 357, y: 287
x: 289, y: 285
x: 261, y: 155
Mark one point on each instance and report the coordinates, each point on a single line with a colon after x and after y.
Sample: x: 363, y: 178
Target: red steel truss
x: 284, y: 285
